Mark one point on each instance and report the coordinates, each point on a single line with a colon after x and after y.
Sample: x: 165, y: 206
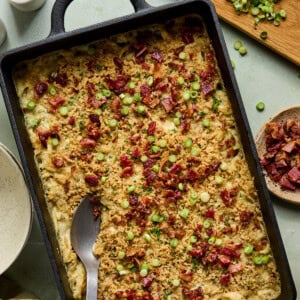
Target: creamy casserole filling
x: 143, y: 122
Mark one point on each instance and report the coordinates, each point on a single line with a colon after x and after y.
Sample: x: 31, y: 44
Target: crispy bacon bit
x: 228, y: 196
x: 140, y: 52
x: 72, y: 121
x: 151, y: 128
x: 93, y: 132
x: 145, y: 90
x: 224, y: 260
x: 195, y: 294
x: 57, y: 161
x: 168, y: 104
x: 150, y: 176
x: 147, y: 281
x: 91, y: 180
x: 207, y: 88
x: 187, y: 36
x: 91, y: 88
x: 294, y: 175
x: 41, y: 88
x: 59, y: 78
x: 126, y: 172
x: 210, y: 213
x: 245, y: 217
x: 135, y: 153
x: 94, y: 200
x: 192, y: 175
x: 199, y: 252
x: 43, y: 136
x: 162, y: 86
x: 125, y: 161
x: 225, y: 279
x: 118, y: 62
x: 178, y: 50
x: 176, y: 169
x: 118, y: 85
x: 186, y: 275
x: 135, y: 138
x: 185, y: 125
x: 156, y: 55
x: 115, y: 105
x: 56, y: 102
x: 96, y: 212
x: 230, y: 251
x: 87, y: 143
x: 95, y: 119
x: 234, y: 268
x: 286, y: 184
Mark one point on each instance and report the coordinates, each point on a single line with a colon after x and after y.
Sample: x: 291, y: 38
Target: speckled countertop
x: 261, y: 75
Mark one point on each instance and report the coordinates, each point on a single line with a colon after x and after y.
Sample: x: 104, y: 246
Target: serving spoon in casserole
x: 84, y: 231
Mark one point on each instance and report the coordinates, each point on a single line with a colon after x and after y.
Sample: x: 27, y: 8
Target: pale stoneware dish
x: 282, y: 116
x: 27, y: 5
x: 15, y: 209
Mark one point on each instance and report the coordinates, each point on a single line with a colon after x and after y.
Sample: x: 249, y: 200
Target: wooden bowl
x: 282, y: 116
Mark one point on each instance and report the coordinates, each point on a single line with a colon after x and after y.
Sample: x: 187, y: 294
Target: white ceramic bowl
x: 27, y: 5
x: 15, y: 209
x: 2, y: 32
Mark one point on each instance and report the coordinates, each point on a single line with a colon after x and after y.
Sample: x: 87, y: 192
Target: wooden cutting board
x: 284, y: 39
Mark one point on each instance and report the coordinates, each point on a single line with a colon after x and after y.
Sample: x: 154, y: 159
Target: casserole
x: 205, y: 10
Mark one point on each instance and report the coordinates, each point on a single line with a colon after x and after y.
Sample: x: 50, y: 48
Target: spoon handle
x: 92, y: 283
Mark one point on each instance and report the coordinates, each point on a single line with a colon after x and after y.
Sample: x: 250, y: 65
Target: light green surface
x: 261, y: 75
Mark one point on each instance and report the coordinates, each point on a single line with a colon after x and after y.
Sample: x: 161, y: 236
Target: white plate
x: 15, y: 209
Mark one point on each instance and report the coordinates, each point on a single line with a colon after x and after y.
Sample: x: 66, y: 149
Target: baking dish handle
x: 60, y: 6
x: 140, y: 5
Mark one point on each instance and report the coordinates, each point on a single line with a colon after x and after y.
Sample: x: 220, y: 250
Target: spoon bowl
x: 84, y: 231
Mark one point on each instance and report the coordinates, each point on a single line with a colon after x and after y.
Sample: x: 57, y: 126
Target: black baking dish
x: 145, y: 14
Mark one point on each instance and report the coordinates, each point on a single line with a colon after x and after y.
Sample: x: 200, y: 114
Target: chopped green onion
x: 103, y: 179
x: 91, y: 50
x: 188, y: 143
x: 184, y: 213
x: 145, y: 266
x: 143, y: 272
x: 237, y: 45
x: 193, y: 239
x: 130, y: 235
x: 124, y: 111
x: 263, y: 35
x: 195, y: 86
x: 211, y: 240
x: 206, y: 224
x: 100, y: 156
x: 260, y: 106
x: 131, y: 85
x: 176, y: 121
x: 131, y: 188
x: 155, y: 262
x: 194, y: 195
x: 243, y: 51
x: 128, y: 100
x: 155, y: 149
x: 182, y: 55
x: 193, y: 201
x: 237, y: 147
x: 194, y: 94
x: 63, y: 110
x: 282, y: 13
x: 106, y: 93
x: 141, y: 109
x: 147, y: 237
x: 34, y: 123
x: 112, y: 123
x: 219, y: 180
x: 176, y: 282
x: 224, y: 166
x: 151, y: 138
x: 195, y: 151
x: 248, y: 249
x: 204, y: 197
x: 155, y: 168
x: 178, y: 114
x: 218, y: 242
x: 189, y: 248
x: 180, y: 186
x: 137, y: 97
x: 144, y: 158
x: 172, y: 158
x: 174, y: 242
x: 216, y: 103
x: 122, y: 96
x: 186, y: 95
x: 150, y: 80
x: 156, y: 218
x: 162, y: 143
x: 206, y: 123
x: 232, y: 63
x: 125, y: 204
x: 31, y: 105
x: 180, y: 80
x: 121, y: 254
x: 52, y: 90
x: 54, y: 142
x: 265, y: 259
x: 119, y: 268
x: 254, y: 11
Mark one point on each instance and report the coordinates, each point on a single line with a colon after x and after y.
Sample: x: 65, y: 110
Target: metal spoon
x: 84, y: 231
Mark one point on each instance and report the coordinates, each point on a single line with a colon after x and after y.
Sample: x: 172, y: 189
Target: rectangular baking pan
x: 145, y: 14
